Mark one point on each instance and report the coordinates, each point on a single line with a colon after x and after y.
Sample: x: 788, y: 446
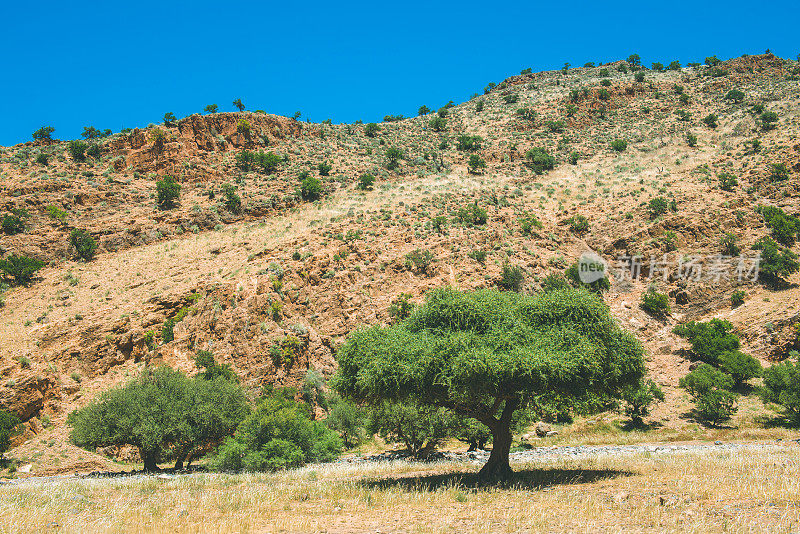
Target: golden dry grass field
x: 737, y: 490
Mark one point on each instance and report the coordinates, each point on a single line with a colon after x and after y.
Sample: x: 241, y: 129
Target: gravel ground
x: 553, y: 452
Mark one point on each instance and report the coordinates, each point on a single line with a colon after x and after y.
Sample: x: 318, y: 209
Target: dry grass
x: 749, y: 490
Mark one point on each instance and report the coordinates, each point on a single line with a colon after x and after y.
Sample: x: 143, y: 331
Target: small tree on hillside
x: 83, y: 243
x: 486, y: 354
x: 167, y: 192
x: 238, y: 104
x: 9, y: 424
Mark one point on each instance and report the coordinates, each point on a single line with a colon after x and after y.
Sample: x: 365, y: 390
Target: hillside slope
x: 299, y: 274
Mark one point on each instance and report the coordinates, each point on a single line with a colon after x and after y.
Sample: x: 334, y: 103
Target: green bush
x: 9, y: 426
x: 735, y: 95
x: 639, y: 77
x: 711, y: 391
x: 578, y: 224
x: 324, y: 168
x: 167, y: 192
x: 83, y: 243
x: 768, y: 120
x: 778, y: 172
x: 365, y: 182
x: 44, y: 133
x: 170, y: 119
x: 162, y: 413
x: 620, y: 145
x: 211, y: 108
x: 737, y: 298
x: 267, y: 162
x: 727, y: 181
x: 277, y: 434
x: 512, y: 278
x: 658, y: 206
x: 310, y: 187
x: 43, y: 159
x: 638, y: 398
x: 785, y: 227
x: 211, y: 369
x: 528, y: 222
x: 471, y: 215
x: 776, y: 262
x: 476, y: 164
x: 438, y: 124
x: 401, y: 307
x: 479, y: 105
x: 371, y: 129
x: 526, y: 114
x: 728, y: 242
x: 232, y: 201
x: 77, y: 149
x: 711, y: 120
x: 19, y: 270
x: 539, y: 160
x: 691, y: 139
x: 469, y: 142
x: 554, y: 126
x: 710, y: 339
x: 655, y: 303
x: 742, y: 367
x: 393, y: 156
x: 12, y: 224
x: 782, y: 387
x: 418, y: 428
x: 420, y: 260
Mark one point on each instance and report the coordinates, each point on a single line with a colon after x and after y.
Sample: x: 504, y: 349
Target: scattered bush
x: 393, y: 156
x: 711, y: 391
x: 77, y: 150
x: 657, y: 206
x: 735, y: 95
x: 9, y: 426
x: 727, y: 181
x: 655, y: 303
x: 782, y: 387
x: 776, y: 262
x: 512, y: 278
x: 346, y: 419
x: 19, y: 270
x: 267, y: 162
x: 471, y: 215
x: 371, y: 129
x: 438, y: 124
x: 528, y: 222
x: 469, y: 142
x: 365, y: 182
x: 310, y: 188
x: 578, y: 224
x: 167, y: 192
x: 711, y: 120
x: 597, y: 286
x: 401, y: 306
x: 475, y: 164
x: 639, y: 398
x: 729, y: 245
x: 778, y: 172
x: 211, y: 108
x: 419, y: 428
x: 83, y: 244
x: 420, y: 260
x: 768, y: 120
x: 12, y: 224
x: 620, y: 145
x: 737, y: 298
x: 785, y: 227
x: 232, y: 201
x: 539, y: 160
x: 277, y: 434
x: 710, y: 339
x: 742, y: 367
x: 324, y: 168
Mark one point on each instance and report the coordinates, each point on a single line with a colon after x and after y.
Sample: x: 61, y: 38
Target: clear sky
x: 124, y: 64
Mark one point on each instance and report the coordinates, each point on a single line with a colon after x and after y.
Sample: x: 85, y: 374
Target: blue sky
x: 124, y: 64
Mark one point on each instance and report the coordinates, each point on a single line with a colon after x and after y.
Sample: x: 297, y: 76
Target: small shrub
x: 471, y: 215
x: 19, y: 270
x: 365, y: 182
x: 727, y: 181
x: 43, y: 159
x: 655, y: 303
x: 438, y: 124
x: 469, y: 142
x: 785, y: 227
x: 232, y: 202
x: 512, y: 278
x: 44, y: 133
x: 711, y: 120
x: 778, y: 172
x: 167, y: 192
x: 401, y: 307
x: 12, y: 224
x: 578, y: 224
x: 709, y: 339
x: 742, y: 367
x: 782, y: 387
x: 77, y: 150
x: 657, y: 206
x: 691, y: 139
x: 768, y: 120
x: 83, y: 243
x: 211, y: 108
x: 371, y: 129
x: 776, y: 262
x: 620, y: 145
x: 729, y: 245
x: 420, y: 260
x: 476, y: 164
x: 9, y: 427
x: 639, y: 398
x: 737, y: 298
x: 310, y: 188
x: 711, y: 391
x: 539, y: 160
x: 735, y: 95
x: 324, y: 169
x: 393, y: 156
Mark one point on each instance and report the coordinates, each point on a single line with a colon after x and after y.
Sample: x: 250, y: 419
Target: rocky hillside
x: 272, y: 283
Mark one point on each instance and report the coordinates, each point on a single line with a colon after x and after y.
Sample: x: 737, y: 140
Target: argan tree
x: 488, y: 353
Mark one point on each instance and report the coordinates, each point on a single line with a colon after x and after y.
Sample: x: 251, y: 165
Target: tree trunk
x: 497, y: 467
x: 149, y: 459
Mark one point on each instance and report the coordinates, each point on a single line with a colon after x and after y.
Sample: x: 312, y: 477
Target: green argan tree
x: 488, y: 353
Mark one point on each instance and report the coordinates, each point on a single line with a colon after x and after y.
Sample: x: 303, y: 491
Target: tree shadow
x: 530, y: 479
x: 630, y: 426
x: 776, y: 421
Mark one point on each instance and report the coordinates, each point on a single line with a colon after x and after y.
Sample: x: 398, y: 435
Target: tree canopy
x: 162, y: 413
x: 486, y: 353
